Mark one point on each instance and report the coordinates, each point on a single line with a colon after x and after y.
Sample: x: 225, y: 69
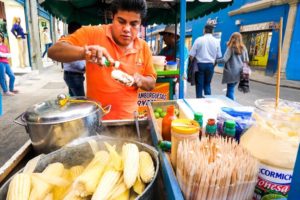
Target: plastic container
x: 171, y: 65
x: 182, y: 129
x: 159, y: 62
x: 274, y: 140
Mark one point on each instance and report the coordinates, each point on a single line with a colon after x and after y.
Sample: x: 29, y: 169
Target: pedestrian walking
x: 235, y: 57
x: 47, y: 40
x: 5, y: 69
x: 74, y: 71
x: 205, y: 50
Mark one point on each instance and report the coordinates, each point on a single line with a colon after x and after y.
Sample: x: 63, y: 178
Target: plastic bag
x: 242, y: 117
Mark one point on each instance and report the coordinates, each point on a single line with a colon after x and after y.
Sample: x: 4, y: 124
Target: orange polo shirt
x: 100, y: 85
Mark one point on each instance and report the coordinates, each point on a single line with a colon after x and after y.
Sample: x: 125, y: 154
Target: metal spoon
x: 136, y: 120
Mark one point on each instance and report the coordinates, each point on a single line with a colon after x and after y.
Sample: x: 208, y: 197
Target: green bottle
x: 198, y: 117
x: 165, y: 145
x: 211, y: 128
x: 229, y: 129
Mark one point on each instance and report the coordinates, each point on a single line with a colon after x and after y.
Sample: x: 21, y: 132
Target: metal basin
x: 80, y: 152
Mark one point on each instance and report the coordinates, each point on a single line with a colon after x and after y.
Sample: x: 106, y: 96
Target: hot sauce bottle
x: 166, y: 123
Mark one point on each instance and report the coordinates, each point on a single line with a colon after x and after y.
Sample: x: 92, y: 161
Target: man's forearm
x: 65, y: 52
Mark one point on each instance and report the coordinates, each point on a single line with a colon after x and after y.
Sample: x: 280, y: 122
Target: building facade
x: 258, y: 22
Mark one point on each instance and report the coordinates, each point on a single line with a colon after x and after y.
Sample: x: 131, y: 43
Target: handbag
x: 244, y: 78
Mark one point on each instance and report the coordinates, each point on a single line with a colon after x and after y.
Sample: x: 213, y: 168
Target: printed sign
x: 259, y: 27
x: 159, y: 93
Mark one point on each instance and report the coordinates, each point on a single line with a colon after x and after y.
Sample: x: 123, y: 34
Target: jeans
x: 5, y: 69
x: 230, y: 90
x: 47, y: 46
x: 203, y: 79
x: 74, y: 81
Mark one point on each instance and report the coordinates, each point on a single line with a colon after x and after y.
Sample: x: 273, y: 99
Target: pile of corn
x: 108, y: 175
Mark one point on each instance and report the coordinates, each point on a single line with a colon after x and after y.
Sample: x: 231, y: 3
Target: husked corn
x: 86, y: 183
x: 130, y: 154
x: 139, y: 186
x: 146, y: 169
x: 54, y: 169
x: 19, y: 187
x: 75, y: 171
x: 40, y: 188
x: 123, y: 196
x: 107, y: 183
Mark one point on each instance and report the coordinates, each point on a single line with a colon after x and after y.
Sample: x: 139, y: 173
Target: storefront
x: 11, y: 9
x: 257, y: 21
x: 257, y: 38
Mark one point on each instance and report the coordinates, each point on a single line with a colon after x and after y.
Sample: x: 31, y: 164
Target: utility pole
x: 33, y: 24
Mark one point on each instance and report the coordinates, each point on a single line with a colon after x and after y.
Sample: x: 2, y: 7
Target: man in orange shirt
x: 117, y: 42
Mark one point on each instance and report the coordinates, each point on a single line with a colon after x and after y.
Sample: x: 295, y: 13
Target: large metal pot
x: 51, y: 125
x: 81, y: 152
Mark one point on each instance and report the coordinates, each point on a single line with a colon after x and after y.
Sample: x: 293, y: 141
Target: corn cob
x: 75, y: 171
x: 86, y: 184
x: 118, y: 190
x: 139, y: 186
x: 146, y: 169
x: 100, y: 156
x: 60, y: 191
x: 106, y: 184
x: 49, y: 196
x: 130, y: 153
x: 116, y: 159
x: 54, y: 169
x: 19, y: 187
x: 133, y: 196
x: 39, y: 188
x: 123, y: 196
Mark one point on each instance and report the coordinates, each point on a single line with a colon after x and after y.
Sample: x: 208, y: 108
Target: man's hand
x: 95, y: 53
x: 144, y: 82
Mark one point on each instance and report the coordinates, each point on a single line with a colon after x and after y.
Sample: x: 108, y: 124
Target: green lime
x: 158, y: 110
x: 273, y: 197
x: 162, y: 114
x: 157, y: 115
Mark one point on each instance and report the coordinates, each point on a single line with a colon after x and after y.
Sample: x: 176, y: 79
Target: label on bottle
x: 272, y: 183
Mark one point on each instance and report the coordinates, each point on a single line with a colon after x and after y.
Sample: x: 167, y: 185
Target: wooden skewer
x: 279, y: 65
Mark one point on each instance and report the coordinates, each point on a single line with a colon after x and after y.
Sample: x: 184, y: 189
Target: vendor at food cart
x: 117, y: 42
x: 171, y: 39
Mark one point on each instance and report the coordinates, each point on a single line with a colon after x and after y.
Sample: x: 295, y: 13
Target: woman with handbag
x: 235, y: 57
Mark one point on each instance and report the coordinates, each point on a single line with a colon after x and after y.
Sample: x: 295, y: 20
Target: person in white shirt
x: 206, y: 49
x: 47, y: 40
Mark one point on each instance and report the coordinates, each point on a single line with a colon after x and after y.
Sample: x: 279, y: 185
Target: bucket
x: 159, y: 62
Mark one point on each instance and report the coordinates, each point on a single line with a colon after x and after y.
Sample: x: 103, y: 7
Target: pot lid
x: 52, y: 112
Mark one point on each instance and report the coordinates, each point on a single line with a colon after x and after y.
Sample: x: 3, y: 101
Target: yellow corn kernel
x: 139, y: 186
x: 123, y: 196
x: 75, y: 171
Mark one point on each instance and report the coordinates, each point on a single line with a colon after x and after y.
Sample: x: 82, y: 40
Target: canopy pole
x: 181, y: 47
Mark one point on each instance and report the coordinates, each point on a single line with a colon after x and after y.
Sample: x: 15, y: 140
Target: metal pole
x: 181, y: 47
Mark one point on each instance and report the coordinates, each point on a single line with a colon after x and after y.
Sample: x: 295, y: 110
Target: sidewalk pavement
x: 259, y: 76
x: 34, y: 87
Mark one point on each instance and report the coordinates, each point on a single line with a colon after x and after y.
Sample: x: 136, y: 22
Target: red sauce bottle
x: 166, y: 123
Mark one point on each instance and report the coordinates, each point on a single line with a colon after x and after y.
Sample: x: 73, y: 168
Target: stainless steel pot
x: 51, y: 125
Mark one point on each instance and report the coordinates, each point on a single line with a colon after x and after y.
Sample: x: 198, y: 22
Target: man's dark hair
x: 138, y: 6
x: 73, y: 26
x: 208, y: 28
